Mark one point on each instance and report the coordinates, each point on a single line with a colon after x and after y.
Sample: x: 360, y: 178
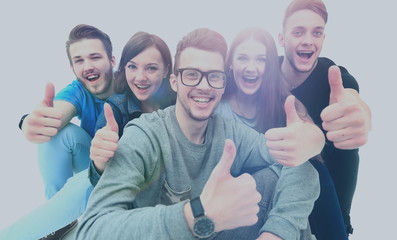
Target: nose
x: 88, y: 66
x: 140, y: 75
x: 251, y: 66
x: 203, y: 84
x: 308, y: 39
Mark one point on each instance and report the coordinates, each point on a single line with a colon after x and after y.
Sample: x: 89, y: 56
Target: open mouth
x: 202, y: 100
x: 92, y: 77
x: 305, y: 54
x: 250, y: 79
x: 142, y: 87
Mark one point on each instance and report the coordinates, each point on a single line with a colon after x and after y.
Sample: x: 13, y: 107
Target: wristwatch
x: 203, y: 226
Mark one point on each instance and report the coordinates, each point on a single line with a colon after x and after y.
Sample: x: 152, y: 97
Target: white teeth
x: 201, y: 100
x: 305, y: 54
x: 143, y: 86
x: 92, y: 77
x: 250, y: 79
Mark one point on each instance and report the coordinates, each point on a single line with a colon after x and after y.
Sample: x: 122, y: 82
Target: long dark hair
x: 135, y: 45
x: 273, y: 91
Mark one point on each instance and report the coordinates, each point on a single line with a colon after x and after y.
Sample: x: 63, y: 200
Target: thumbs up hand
x: 347, y: 118
x: 45, y: 120
x: 105, y: 142
x: 229, y: 201
x: 297, y: 142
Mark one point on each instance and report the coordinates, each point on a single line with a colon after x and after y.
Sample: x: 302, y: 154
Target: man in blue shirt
x: 64, y: 147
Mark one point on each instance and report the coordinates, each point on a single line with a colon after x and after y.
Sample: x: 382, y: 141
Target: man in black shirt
x: 329, y: 93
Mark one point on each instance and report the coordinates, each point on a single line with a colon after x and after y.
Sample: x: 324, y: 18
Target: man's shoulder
x: 325, y: 62
x: 76, y: 85
x: 320, y: 71
x: 348, y: 80
x: 73, y: 88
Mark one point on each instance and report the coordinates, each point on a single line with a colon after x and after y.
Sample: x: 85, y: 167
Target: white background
x: 360, y: 35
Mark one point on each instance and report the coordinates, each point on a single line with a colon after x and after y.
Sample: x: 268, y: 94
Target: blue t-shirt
x: 88, y: 107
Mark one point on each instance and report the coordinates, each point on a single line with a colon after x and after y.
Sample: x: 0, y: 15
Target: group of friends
x: 226, y: 143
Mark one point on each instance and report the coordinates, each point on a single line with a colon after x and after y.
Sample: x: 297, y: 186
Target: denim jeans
x: 64, y: 207
x: 65, y: 154
x: 63, y: 163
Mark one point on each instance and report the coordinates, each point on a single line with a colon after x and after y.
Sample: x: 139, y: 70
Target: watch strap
x: 197, y: 207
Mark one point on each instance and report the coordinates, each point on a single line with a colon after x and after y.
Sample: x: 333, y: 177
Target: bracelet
x: 21, y: 121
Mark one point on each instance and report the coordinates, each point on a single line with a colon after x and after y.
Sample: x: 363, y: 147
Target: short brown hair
x: 203, y: 39
x: 83, y: 31
x: 316, y: 6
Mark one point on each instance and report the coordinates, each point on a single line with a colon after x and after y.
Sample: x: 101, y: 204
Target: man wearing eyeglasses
x: 177, y: 173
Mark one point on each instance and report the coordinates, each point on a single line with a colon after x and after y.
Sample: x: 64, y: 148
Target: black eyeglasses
x: 192, y: 77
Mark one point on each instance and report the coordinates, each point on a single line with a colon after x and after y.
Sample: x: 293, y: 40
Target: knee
x: 78, y: 186
x: 266, y: 181
x: 68, y: 136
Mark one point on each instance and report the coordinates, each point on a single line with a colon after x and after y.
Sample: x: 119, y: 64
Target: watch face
x: 203, y: 227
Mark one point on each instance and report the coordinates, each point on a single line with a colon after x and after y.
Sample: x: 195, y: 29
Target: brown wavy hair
x: 135, y: 45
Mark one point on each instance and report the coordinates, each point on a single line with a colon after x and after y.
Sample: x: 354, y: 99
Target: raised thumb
x: 109, y: 116
x: 49, y: 94
x: 227, y: 159
x: 290, y: 110
x: 335, y: 83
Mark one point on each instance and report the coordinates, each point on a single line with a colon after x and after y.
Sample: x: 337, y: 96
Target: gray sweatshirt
x: 156, y: 169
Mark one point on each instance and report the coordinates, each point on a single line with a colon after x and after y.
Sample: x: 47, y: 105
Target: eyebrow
x: 258, y: 55
x: 303, y: 27
x: 91, y: 54
x: 152, y: 63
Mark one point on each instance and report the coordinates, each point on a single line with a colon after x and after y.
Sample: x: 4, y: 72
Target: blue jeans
x: 64, y: 155
x: 64, y: 207
x: 68, y: 192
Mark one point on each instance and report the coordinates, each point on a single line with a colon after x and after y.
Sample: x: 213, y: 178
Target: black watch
x: 203, y: 226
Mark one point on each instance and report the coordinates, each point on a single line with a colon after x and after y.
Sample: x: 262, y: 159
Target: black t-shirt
x: 342, y: 164
x: 314, y: 94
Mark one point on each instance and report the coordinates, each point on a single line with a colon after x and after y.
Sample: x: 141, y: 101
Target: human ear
x: 281, y: 39
x: 113, y: 61
x: 173, y: 82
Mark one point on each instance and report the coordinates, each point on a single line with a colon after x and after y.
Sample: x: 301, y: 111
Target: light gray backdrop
x: 359, y: 36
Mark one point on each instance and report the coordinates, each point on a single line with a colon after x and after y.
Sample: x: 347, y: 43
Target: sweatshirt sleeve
x: 110, y: 213
x: 296, y: 191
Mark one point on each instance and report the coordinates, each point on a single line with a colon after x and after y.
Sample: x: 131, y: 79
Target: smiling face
x: 92, y: 66
x: 199, y: 102
x: 145, y: 72
x: 248, y: 65
x: 302, y: 39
